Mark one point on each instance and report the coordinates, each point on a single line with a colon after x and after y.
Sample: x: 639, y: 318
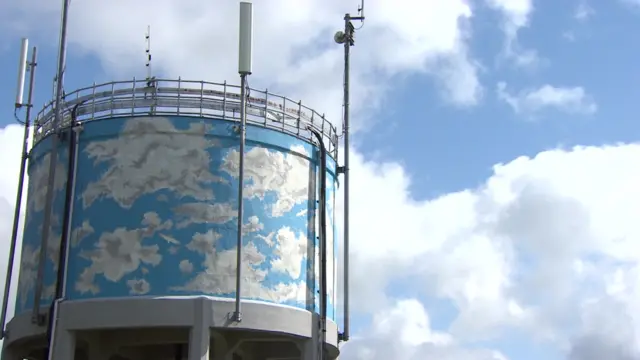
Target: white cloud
x: 631, y: 2
x: 517, y: 15
x: 572, y: 100
x: 11, y: 145
x: 583, y: 12
x: 404, y: 332
x: 571, y: 213
x: 294, y: 50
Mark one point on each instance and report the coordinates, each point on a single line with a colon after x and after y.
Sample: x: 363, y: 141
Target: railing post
x: 266, y: 106
x: 201, y: 97
x: 224, y: 100
x: 179, y: 91
x: 112, y: 96
x: 133, y: 102
x: 93, y: 100
x: 299, y: 114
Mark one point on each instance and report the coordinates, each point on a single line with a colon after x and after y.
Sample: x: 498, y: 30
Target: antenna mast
x: 245, y: 46
x: 347, y: 38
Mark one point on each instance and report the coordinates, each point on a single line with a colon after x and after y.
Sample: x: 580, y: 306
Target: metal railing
x: 165, y: 97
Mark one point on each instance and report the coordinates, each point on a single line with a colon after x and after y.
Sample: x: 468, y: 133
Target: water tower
x: 176, y: 219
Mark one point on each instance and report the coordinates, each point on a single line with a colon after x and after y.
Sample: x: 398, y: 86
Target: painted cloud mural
x: 155, y: 213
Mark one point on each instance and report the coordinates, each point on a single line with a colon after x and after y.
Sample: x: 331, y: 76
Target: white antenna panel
x: 22, y: 71
x: 246, y: 37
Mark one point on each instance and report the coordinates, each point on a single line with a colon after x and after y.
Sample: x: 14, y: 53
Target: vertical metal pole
x: 347, y: 44
x: 243, y: 133
x: 53, y: 162
x: 16, y: 215
x: 323, y: 241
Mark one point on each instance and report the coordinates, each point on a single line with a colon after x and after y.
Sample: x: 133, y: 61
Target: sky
x: 495, y: 191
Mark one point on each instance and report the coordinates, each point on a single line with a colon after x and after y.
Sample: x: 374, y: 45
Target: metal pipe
x: 72, y: 137
x: 55, y: 308
x: 323, y: 241
x: 76, y: 146
x: 16, y: 215
x: 53, y: 162
x: 347, y: 44
x: 243, y: 121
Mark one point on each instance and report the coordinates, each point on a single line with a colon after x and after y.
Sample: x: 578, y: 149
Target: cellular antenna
x: 22, y: 72
x: 246, y: 38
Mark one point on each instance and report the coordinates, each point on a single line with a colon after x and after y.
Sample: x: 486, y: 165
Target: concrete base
x: 195, y: 328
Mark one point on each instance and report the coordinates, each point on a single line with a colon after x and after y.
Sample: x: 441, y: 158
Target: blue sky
x: 429, y: 155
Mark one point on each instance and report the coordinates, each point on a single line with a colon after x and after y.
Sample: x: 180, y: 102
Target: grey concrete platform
x: 170, y: 328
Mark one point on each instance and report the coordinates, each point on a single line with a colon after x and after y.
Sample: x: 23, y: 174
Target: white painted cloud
x: 153, y: 160
x: 285, y: 174
x: 219, y: 276
x: 186, y: 267
x: 138, y: 286
x: 572, y: 100
x: 289, y: 251
x: 119, y: 253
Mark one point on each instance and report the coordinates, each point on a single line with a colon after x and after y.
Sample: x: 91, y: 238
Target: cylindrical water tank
x: 154, y: 209
x: 153, y: 214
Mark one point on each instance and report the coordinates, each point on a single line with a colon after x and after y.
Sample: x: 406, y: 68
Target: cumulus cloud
x: 403, y: 331
x: 583, y: 12
x: 516, y: 15
x: 546, y: 245
x: 401, y: 37
x: 571, y: 100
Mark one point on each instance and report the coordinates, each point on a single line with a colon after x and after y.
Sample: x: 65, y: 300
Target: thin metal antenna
x: 36, y: 316
x: 148, y: 55
x: 347, y: 38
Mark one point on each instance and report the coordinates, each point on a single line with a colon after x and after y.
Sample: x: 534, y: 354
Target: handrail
x: 165, y: 97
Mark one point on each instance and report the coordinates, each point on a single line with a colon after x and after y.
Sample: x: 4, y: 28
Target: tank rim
x: 188, y: 98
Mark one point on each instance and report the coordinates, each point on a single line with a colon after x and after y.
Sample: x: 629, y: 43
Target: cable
x: 15, y: 115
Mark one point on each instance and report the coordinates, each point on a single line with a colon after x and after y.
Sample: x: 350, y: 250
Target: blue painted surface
x: 38, y: 171
x: 155, y: 213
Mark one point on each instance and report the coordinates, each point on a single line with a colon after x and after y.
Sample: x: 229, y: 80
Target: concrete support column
x: 309, y: 348
x: 64, y: 345
x: 200, y: 334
